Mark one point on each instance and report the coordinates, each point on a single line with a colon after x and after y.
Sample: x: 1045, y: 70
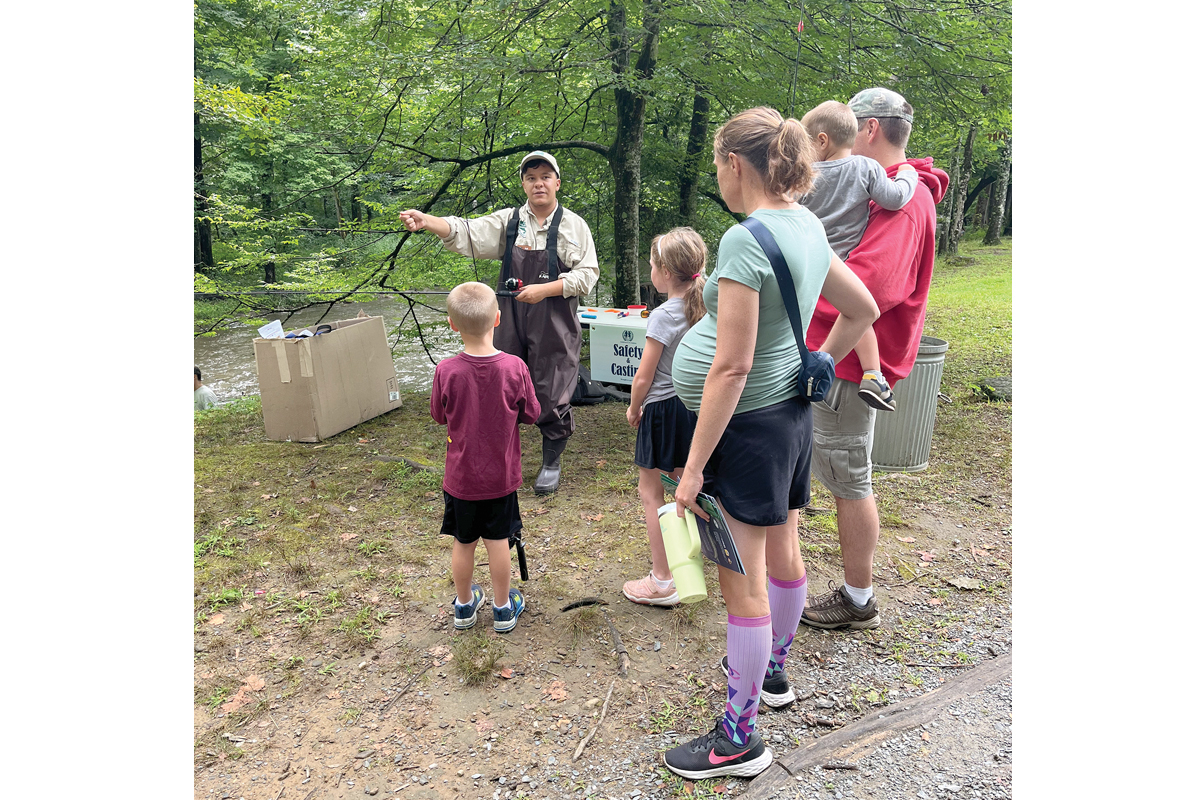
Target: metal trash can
x: 903, y: 437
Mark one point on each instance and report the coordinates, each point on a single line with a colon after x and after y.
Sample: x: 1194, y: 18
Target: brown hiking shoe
x: 835, y: 610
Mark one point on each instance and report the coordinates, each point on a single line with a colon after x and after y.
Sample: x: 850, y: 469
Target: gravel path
x: 965, y: 751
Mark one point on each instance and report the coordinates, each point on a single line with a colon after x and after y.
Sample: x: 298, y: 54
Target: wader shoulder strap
x: 552, y: 243
x: 510, y: 238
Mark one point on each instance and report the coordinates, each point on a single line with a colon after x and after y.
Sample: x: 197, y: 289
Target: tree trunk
x: 985, y: 207
x: 625, y: 157
x: 996, y: 223
x: 1008, y: 201
x: 689, y: 174
x: 269, y: 266
x: 949, y: 200
x: 355, y: 206
x: 956, y: 222
x: 203, y: 258
x: 337, y: 207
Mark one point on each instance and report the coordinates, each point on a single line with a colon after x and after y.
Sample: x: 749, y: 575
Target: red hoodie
x: 895, y: 261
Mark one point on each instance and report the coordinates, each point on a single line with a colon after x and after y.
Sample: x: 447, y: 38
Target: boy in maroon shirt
x: 481, y: 394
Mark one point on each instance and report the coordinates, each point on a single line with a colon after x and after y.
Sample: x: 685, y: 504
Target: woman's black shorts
x: 468, y: 520
x: 664, y: 435
x: 760, y: 467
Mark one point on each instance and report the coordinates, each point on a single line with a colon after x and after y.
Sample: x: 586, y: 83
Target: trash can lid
x: 931, y: 345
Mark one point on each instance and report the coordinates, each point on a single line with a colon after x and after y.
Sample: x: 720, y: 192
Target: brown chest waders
x: 546, y: 336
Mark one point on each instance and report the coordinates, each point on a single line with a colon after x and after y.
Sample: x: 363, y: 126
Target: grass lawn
x: 970, y: 306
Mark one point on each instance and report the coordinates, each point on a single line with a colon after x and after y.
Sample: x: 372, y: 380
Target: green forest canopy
x: 317, y: 122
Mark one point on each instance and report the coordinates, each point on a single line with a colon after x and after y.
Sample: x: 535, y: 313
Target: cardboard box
x: 617, y: 342
x: 316, y: 387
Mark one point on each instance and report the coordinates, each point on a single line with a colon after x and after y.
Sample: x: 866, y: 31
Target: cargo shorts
x: 843, y: 432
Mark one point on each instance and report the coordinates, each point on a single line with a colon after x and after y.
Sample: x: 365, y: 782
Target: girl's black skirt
x: 664, y: 435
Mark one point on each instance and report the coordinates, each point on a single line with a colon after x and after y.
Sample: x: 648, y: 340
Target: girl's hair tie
x: 697, y: 275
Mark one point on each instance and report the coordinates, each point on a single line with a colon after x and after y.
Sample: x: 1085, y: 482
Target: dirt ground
x: 327, y: 666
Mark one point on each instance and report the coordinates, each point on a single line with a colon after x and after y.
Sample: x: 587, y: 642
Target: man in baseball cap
x: 880, y: 103
x: 550, y: 249
x: 531, y: 160
x: 894, y: 259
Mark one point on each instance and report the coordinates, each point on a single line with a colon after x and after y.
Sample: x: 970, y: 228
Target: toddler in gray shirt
x: 840, y: 198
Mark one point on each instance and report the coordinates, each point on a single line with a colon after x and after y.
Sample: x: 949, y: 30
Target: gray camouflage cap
x: 879, y: 102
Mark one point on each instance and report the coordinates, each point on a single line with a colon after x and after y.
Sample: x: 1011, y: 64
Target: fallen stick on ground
x: 936, y: 666
x: 405, y: 689
x: 861, y: 737
x: 815, y: 720
x: 623, y: 666
x: 603, y: 711
x: 584, y: 601
x: 402, y: 460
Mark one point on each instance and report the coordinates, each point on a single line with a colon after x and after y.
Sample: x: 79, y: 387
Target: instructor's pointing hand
x: 413, y: 220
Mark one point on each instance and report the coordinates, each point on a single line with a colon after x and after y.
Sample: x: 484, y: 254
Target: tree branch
x: 466, y: 163
x: 716, y: 198
x: 983, y: 184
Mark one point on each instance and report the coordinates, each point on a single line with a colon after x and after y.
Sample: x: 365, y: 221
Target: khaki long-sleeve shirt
x: 576, y: 249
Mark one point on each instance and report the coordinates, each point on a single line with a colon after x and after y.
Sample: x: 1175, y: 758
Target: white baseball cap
x: 543, y: 156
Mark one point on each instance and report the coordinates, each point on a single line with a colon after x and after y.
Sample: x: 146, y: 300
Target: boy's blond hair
x: 472, y: 308
x: 833, y: 119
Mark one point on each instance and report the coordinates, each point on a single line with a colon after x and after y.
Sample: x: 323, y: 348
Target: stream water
x: 226, y: 360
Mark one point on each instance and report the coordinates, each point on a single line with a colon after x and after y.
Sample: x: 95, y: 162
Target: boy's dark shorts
x: 664, y: 435
x: 468, y: 520
x: 760, y: 467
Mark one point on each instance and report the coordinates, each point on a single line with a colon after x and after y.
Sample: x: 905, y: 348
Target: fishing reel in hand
x: 512, y: 288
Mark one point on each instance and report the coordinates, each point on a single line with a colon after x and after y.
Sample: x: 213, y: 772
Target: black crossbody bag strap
x: 552, y: 244
x: 510, y: 238
x: 783, y: 276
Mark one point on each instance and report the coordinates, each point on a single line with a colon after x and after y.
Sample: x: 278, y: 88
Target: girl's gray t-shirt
x: 667, y: 324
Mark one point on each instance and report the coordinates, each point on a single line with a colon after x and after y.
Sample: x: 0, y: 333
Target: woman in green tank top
x: 753, y: 440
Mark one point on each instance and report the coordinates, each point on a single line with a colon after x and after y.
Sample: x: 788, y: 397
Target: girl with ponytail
x: 664, y: 426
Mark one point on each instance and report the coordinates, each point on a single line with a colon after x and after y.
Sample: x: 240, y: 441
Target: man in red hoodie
x: 895, y: 261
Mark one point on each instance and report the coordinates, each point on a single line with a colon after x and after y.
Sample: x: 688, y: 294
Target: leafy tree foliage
x: 319, y: 120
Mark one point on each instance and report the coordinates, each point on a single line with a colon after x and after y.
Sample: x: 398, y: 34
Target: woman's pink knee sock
x: 749, y: 649
x: 787, y: 604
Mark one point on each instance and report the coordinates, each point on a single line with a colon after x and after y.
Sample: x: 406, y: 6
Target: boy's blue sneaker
x: 505, y: 619
x: 464, y: 616
x: 876, y: 393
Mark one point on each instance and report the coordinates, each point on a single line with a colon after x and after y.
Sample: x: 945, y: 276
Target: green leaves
x: 319, y: 122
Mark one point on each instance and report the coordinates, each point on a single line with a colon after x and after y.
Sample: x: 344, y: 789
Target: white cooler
x: 617, y: 342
